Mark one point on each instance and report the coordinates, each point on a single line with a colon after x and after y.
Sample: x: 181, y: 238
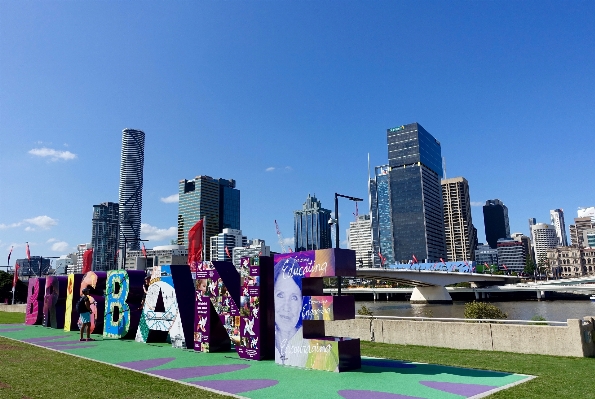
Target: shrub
x: 538, y: 318
x: 364, y: 311
x: 483, y: 310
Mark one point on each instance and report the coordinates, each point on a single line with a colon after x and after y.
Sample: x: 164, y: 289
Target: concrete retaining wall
x: 21, y: 308
x: 577, y: 339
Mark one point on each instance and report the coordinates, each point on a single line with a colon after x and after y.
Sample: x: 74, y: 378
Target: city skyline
x: 290, y: 120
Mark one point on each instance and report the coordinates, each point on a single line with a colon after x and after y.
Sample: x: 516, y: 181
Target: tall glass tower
x: 217, y: 200
x: 131, y: 187
x: 415, y: 162
x: 311, y: 229
x: 104, y: 237
x: 380, y: 212
x: 495, y: 220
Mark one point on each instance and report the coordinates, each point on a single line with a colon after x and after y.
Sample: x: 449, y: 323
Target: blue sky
x: 234, y: 89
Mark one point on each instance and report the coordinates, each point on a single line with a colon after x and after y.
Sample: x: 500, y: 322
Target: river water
x: 559, y: 310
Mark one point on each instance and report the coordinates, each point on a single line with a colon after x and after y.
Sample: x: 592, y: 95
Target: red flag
x: 10, y: 253
x: 195, y: 244
x: 442, y: 260
x: 87, y: 260
x: 414, y: 258
x: 260, y: 253
x: 16, y: 276
x: 227, y: 252
x: 144, y: 250
x: 504, y: 266
x: 382, y: 259
x: 28, y: 254
x: 466, y: 263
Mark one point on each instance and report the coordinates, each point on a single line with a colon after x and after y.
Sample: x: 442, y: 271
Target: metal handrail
x: 452, y: 319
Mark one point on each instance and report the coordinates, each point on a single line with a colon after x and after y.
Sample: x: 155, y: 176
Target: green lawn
x: 28, y: 371
x: 12, y: 318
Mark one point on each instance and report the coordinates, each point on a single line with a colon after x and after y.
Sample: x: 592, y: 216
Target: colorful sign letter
x: 301, y: 309
x: 54, y: 306
x: 122, y: 303
x: 72, y: 297
x: 35, y: 297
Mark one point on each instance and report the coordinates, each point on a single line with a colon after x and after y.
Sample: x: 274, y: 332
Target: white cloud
x: 477, y: 203
x: 172, y: 198
x: 156, y: 234
x: 270, y: 169
x: 53, y: 154
x: 60, y: 246
x: 29, y: 228
x: 288, y: 242
x: 9, y: 226
x: 51, y: 240
x: 288, y: 168
x: 44, y: 222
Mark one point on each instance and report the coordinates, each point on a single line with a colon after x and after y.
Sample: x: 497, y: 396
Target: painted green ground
x: 378, y: 378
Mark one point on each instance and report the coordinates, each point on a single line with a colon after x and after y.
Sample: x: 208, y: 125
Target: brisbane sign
x: 268, y: 308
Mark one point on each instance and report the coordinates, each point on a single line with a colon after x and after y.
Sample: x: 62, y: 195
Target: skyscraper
x: 217, y: 200
x: 557, y: 219
x: 380, y: 216
x: 459, y: 231
x: 310, y: 228
x: 415, y: 162
x: 495, y: 220
x: 105, y: 234
x: 581, y: 224
x: 360, y: 240
x: 227, y: 239
x: 545, y: 237
x: 131, y: 187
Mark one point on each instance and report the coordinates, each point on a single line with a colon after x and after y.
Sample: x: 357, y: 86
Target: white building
x: 256, y: 248
x: 64, y: 262
x: 360, y: 240
x: 557, y: 219
x: 586, y: 212
x: 77, y: 267
x: 545, y: 237
x: 230, y: 239
x: 158, y: 256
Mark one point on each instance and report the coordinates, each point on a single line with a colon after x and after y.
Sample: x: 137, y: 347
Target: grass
x: 12, y: 317
x: 32, y: 372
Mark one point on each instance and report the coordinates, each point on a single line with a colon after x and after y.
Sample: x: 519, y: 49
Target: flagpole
x: 204, y: 238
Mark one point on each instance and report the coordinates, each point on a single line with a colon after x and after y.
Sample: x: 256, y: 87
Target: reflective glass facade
x: 310, y: 227
x: 495, y: 219
x: 104, y: 236
x: 380, y: 209
x: 415, y: 163
x: 217, y: 200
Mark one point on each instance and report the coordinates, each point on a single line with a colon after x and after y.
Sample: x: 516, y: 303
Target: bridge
x: 429, y: 285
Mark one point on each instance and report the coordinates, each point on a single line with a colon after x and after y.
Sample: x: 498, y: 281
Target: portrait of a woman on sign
x: 289, y: 341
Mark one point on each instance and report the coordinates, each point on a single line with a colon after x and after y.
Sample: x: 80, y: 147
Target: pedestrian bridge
x: 430, y: 284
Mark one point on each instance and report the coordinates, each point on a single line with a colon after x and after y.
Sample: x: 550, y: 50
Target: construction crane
x: 280, y: 237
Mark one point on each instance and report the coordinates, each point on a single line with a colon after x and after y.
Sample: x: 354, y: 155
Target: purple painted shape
x: 357, y: 394
x: 236, y: 386
x: 12, y: 329
x: 146, y: 364
x: 41, y: 339
x: 58, y: 344
x: 387, y: 363
x: 199, y: 371
x: 465, y: 390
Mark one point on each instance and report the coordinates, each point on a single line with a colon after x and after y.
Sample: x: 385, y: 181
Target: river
x: 559, y: 310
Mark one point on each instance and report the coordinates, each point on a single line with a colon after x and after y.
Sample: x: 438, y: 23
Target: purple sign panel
x: 228, y: 308
x: 301, y: 310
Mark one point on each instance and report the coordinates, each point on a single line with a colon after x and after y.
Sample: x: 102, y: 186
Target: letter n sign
x: 301, y: 310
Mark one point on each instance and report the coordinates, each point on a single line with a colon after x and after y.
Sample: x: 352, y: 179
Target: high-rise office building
x: 557, y: 219
x: 459, y: 231
x: 104, y: 237
x: 511, y: 255
x: 577, y: 230
x: 486, y: 254
x: 380, y: 217
x: 256, y: 247
x: 31, y: 269
x: 360, y: 240
x: 222, y: 244
x: 415, y: 162
x: 131, y: 187
x: 217, y: 200
x: 310, y: 226
x: 545, y: 237
x: 495, y: 220
x: 526, y: 241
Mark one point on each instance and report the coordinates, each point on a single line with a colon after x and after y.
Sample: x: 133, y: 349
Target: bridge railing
x: 452, y: 319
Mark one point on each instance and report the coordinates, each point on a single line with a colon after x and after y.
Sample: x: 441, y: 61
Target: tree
x: 529, y: 265
x: 20, y: 294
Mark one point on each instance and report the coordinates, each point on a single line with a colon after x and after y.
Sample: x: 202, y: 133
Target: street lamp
x: 335, y: 221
